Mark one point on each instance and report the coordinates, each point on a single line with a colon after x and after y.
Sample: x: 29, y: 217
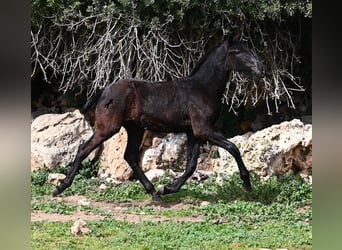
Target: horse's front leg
x: 219, y: 140
x: 192, y: 155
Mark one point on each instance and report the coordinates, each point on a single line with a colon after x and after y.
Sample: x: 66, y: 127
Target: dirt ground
x: 117, y: 210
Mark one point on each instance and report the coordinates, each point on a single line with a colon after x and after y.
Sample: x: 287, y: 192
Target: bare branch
x: 91, y: 52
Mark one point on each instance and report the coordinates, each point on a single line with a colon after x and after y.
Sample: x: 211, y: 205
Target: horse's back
x: 156, y: 105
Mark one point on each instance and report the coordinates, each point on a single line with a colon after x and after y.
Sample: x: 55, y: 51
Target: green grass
x: 111, y: 234
x: 277, y: 214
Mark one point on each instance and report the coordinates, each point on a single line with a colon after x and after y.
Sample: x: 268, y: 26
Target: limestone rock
x: 55, y: 139
x: 84, y: 202
x: 103, y: 186
x: 155, y: 174
x: 79, y: 228
x: 56, y: 178
x: 272, y: 151
x: 112, y: 162
x: 166, y: 152
x: 151, y: 158
x: 204, y: 203
x: 174, y: 149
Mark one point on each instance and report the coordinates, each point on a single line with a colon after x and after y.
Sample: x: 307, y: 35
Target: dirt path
x: 118, y: 211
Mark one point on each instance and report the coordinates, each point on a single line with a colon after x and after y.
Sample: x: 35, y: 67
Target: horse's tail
x: 92, y: 101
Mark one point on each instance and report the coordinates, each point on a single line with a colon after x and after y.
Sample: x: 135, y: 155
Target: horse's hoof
x: 55, y: 193
x: 247, y: 188
x: 156, y: 198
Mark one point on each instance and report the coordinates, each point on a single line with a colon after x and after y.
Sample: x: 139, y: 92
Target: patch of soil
x: 118, y: 211
x: 42, y: 216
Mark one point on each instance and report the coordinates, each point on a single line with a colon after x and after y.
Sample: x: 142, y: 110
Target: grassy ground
x: 277, y: 214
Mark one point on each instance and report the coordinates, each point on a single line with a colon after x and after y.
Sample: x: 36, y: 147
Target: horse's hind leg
x: 83, y: 151
x: 135, y: 135
x: 192, y: 155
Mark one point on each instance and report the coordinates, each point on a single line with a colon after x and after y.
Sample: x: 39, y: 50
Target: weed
x: 54, y: 207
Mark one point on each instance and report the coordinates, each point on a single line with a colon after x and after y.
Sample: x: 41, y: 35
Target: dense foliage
x: 83, y: 45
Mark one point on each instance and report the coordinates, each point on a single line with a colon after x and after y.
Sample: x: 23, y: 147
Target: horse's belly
x: 165, y: 122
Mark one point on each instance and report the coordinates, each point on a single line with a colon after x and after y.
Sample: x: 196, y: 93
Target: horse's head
x: 241, y: 58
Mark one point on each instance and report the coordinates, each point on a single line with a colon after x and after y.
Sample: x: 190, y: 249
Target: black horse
x: 190, y: 104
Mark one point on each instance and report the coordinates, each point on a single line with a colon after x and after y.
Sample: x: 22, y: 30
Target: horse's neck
x: 212, y: 78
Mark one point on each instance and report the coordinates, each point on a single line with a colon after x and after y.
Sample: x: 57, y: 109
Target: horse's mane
x: 203, y: 59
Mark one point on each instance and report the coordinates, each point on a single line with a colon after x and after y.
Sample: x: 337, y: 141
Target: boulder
x: 272, y: 151
x: 151, y: 157
x: 56, y: 178
x: 80, y: 228
x: 155, y: 174
x: 175, y: 150
x: 112, y: 162
x: 166, y: 152
x: 55, y: 139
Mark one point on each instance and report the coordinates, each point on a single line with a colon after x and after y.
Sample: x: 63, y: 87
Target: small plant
x: 120, y: 193
x: 54, y: 207
x: 84, y: 182
x: 39, y: 177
